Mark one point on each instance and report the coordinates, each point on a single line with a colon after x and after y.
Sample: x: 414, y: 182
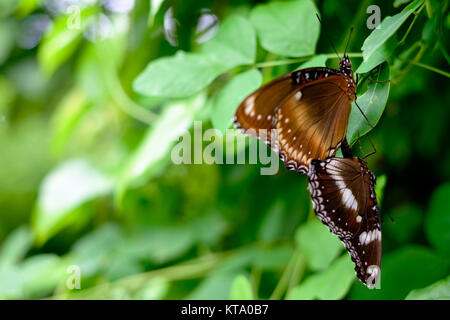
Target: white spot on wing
x: 367, y: 237
x: 348, y: 199
x: 249, y: 104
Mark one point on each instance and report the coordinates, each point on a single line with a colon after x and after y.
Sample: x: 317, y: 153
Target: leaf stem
x: 298, y: 270
x: 416, y: 14
x: 431, y: 68
x: 187, y: 270
x: 408, y: 67
x: 284, y: 280
x: 128, y: 106
x: 444, y: 52
x: 256, y: 277
x: 117, y: 94
x: 191, y: 269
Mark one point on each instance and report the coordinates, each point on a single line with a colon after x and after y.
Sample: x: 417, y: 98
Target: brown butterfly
x: 343, y: 195
x: 309, y: 110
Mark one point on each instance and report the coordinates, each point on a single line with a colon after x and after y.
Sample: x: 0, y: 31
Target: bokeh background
x: 87, y: 187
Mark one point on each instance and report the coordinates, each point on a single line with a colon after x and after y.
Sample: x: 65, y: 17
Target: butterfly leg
x: 360, y: 145
x: 377, y: 81
x: 362, y: 112
x: 373, y: 147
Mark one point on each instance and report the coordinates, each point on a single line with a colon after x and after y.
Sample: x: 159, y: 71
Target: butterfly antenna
x: 328, y: 37
x: 390, y: 217
x: 348, y: 39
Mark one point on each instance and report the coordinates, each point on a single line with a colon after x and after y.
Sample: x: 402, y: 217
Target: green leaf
x: 386, y: 29
x: 232, y: 95
x: 11, y: 284
x: 272, y: 258
x: 437, y: 223
x: 7, y: 39
x: 372, y: 103
x: 438, y: 290
x: 272, y: 224
x: 155, y: 289
x: 407, y: 223
x: 66, y: 117
x: 93, y: 252
x: 241, y: 289
x: 36, y: 277
x: 378, y: 57
x: 216, y: 286
x: 151, y: 154
x: 208, y: 230
x: 318, y: 244
x: 7, y: 7
x: 7, y: 94
x: 155, y: 5
x: 66, y: 188
x: 430, y: 30
x: 25, y: 7
x: 398, y: 3
x: 41, y: 273
x: 89, y: 76
x: 379, y: 188
x: 15, y: 247
x: 234, y: 44
x: 330, y: 284
x: 180, y: 75
x: 317, y: 61
x: 264, y: 258
x: 287, y: 28
x: 61, y: 41
x: 115, y: 46
x: 403, y: 270
x: 159, y: 244
x: 235, y: 262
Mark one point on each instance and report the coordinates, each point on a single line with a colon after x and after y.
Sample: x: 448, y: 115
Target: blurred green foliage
x: 94, y: 95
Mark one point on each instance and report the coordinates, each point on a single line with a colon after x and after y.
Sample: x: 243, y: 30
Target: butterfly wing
x: 342, y: 190
x: 312, y: 120
x: 255, y: 113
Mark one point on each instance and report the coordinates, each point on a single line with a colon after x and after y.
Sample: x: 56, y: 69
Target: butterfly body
x: 303, y: 114
x: 343, y: 195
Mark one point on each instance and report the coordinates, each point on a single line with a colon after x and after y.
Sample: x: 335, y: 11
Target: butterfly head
x: 345, y: 66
